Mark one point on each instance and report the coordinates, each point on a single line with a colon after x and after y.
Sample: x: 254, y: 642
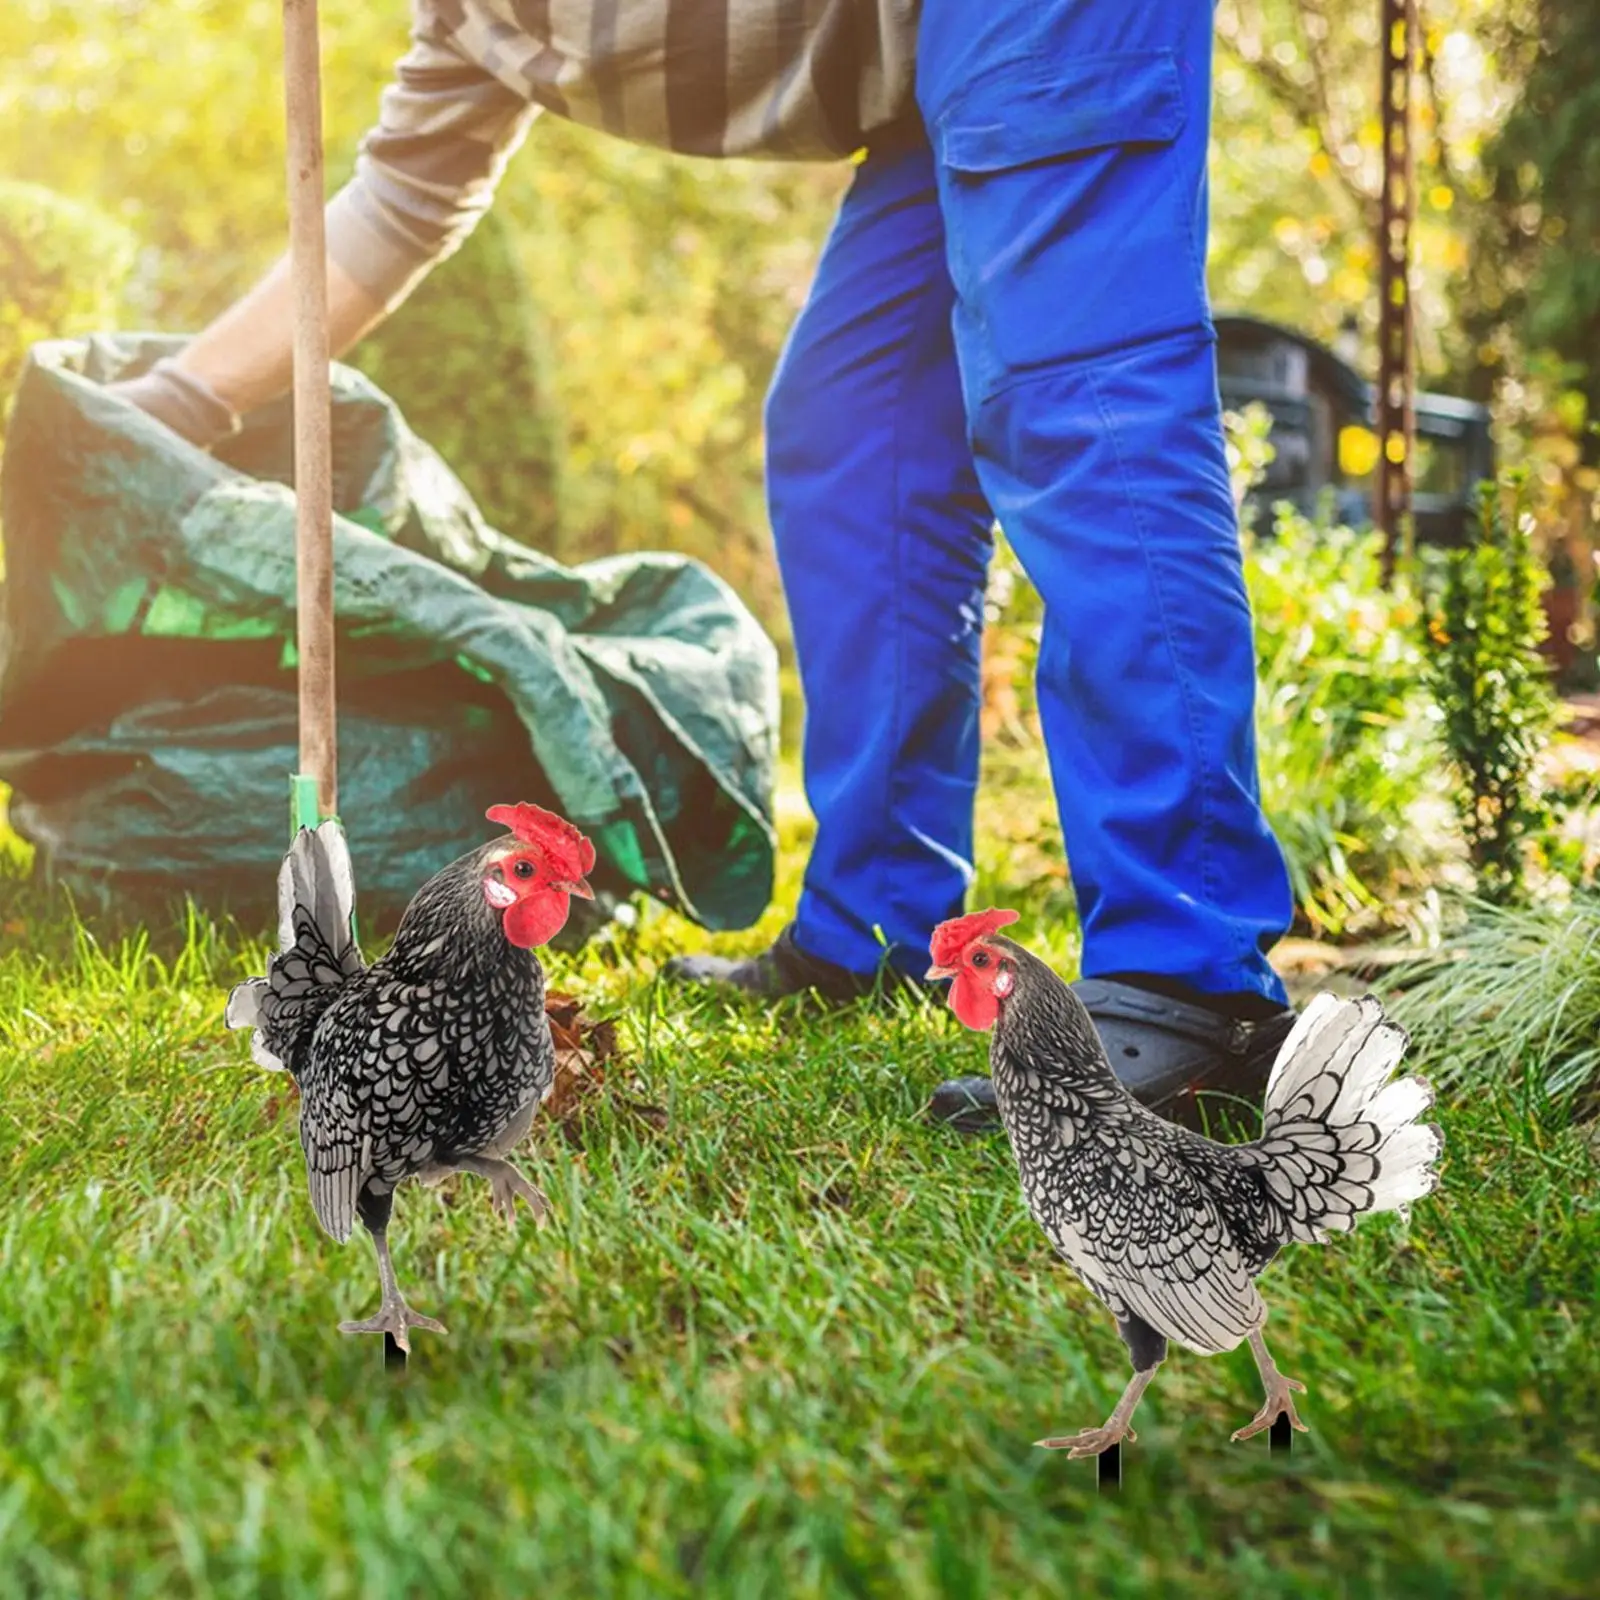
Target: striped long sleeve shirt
x: 795, y: 79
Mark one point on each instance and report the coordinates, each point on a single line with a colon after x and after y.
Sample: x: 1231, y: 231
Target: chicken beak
x: 936, y: 971
x: 579, y: 887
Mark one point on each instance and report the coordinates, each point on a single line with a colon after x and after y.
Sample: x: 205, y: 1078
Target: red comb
x: 570, y: 854
x: 951, y: 938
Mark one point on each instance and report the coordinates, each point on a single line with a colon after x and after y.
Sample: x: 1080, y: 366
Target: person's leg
x: 1071, y: 140
x: 883, y: 540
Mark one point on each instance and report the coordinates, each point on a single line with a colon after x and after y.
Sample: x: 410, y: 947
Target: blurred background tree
x: 63, y: 269
x: 1528, y: 298
x: 1297, y: 165
x: 604, y: 352
x: 471, y: 331
x: 1534, y: 283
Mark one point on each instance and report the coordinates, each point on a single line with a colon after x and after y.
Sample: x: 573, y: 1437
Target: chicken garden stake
x: 434, y: 1059
x: 1169, y: 1229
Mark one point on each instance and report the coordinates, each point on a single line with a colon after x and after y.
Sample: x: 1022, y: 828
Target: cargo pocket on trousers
x: 1070, y: 204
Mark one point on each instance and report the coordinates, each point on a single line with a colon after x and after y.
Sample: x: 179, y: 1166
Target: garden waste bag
x: 147, y: 691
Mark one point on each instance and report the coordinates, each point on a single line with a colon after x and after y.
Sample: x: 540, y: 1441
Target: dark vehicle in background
x: 1323, y: 417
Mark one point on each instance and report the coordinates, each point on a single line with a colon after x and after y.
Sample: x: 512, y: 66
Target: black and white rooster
x: 1169, y: 1229
x: 433, y: 1059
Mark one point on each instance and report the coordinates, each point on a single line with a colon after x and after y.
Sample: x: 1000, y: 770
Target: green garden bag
x: 147, y: 694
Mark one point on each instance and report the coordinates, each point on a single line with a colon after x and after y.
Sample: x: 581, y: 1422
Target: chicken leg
x: 1147, y: 1349
x: 1279, y: 1401
x: 1091, y: 1441
x: 394, y: 1315
x: 507, y: 1183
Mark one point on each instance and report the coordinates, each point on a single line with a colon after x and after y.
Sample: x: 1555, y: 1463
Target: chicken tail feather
x: 1342, y: 1136
x: 316, y: 877
x: 317, y: 949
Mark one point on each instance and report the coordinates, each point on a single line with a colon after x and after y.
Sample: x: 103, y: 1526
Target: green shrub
x: 1342, y: 721
x: 1350, y: 775
x: 1349, y: 769
x: 1248, y: 436
x: 1492, y: 687
x: 63, y: 268
x: 464, y: 360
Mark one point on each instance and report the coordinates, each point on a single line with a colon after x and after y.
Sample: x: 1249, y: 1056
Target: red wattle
x: 537, y: 919
x: 973, y: 1003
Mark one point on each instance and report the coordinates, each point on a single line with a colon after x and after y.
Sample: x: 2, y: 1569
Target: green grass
x: 796, y: 1343
x: 1515, y: 991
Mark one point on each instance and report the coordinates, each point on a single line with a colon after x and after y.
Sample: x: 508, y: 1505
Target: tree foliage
x: 664, y: 286
x: 467, y: 361
x: 63, y: 266
x: 1535, y: 279
x: 1298, y: 161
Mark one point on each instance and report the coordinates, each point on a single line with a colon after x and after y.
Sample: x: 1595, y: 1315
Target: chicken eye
x: 523, y: 869
x: 980, y: 960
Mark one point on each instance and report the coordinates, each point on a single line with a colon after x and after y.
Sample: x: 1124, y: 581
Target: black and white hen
x: 1169, y: 1229
x: 433, y: 1059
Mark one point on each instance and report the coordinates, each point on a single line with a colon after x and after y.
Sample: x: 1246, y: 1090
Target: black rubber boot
x: 966, y: 1105
x: 1169, y: 1053
x: 785, y: 969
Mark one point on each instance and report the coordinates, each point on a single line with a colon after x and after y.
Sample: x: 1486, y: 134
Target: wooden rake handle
x: 314, y: 790
x: 313, y: 445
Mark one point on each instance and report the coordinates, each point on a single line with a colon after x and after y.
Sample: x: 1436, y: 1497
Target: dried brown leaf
x: 583, y: 1047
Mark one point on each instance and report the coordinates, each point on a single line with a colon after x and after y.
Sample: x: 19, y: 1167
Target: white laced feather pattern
x: 1340, y: 1134
x: 317, y: 951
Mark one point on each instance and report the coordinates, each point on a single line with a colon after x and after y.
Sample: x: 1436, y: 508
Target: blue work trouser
x: 1010, y: 322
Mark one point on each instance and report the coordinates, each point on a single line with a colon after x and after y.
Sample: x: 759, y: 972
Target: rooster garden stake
x: 1168, y: 1229
x: 435, y: 1058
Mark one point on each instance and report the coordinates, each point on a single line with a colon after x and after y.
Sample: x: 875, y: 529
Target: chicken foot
x: 1280, y: 1392
x: 394, y: 1315
x: 506, y: 1185
x: 1091, y: 1441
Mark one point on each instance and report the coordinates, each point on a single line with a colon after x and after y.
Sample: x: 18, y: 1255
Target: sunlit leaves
x: 1297, y: 166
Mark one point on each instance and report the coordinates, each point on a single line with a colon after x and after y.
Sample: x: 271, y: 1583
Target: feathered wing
x: 317, y: 950
x: 337, y: 1143
x: 357, y: 1072
x: 387, y: 1083
x: 1340, y: 1134
x: 1117, y: 1199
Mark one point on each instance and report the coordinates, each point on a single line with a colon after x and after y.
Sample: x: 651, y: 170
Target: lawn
x: 787, y: 1340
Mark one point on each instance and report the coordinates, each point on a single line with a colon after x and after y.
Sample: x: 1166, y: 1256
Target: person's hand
x: 186, y: 404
